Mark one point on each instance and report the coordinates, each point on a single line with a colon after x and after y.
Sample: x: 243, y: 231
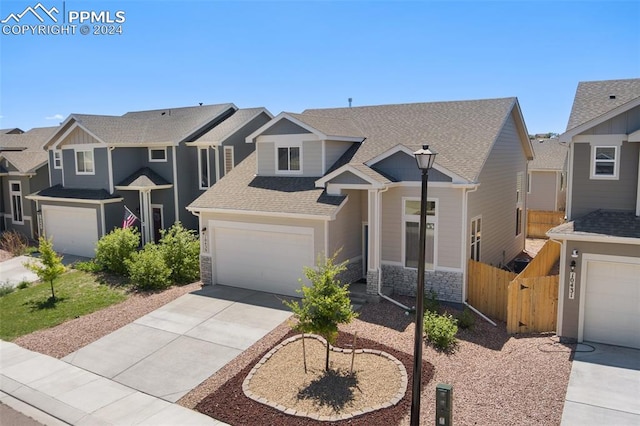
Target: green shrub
x: 431, y: 301
x: 466, y: 319
x: 14, y: 242
x: 148, y: 270
x: 181, y: 252
x: 115, y: 248
x: 22, y: 285
x: 88, y: 266
x: 440, y: 330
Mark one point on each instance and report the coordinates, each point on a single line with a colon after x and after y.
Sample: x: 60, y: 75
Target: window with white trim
x: 204, y: 176
x: 476, y: 235
x: 15, y: 193
x: 158, y: 155
x: 57, y: 159
x: 84, y: 162
x: 605, y: 162
x: 228, y: 159
x: 519, y: 202
x: 411, y: 225
x: 288, y: 159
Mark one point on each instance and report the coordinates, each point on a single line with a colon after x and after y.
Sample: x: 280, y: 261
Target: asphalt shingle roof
x: 549, y: 154
x: 58, y: 191
x: 602, y: 223
x: 593, y: 99
x: 33, y: 139
x: 331, y: 126
x: 230, y: 125
x: 26, y: 161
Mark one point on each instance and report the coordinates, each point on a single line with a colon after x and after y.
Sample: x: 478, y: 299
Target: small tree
x: 181, y: 251
x: 325, y: 304
x: 51, y: 266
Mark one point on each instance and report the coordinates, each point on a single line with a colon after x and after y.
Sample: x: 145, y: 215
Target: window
x: 604, y: 162
x: 203, y: 167
x: 519, y: 202
x: 158, y: 155
x: 519, y: 196
x: 476, y: 234
x: 57, y: 159
x: 289, y: 159
x: 518, y: 221
x: 412, y: 233
x: 228, y: 159
x: 84, y: 163
x: 15, y: 192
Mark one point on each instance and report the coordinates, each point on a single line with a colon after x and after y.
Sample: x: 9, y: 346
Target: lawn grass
x: 30, y: 309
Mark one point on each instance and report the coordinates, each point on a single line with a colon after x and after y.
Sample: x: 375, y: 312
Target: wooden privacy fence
x: 528, y: 302
x: 539, y: 222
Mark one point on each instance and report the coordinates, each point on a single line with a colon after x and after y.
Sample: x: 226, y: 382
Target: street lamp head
x: 425, y: 157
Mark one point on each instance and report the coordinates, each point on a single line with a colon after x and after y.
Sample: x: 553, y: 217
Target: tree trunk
x: 53, y: 294
x: 326, y: 364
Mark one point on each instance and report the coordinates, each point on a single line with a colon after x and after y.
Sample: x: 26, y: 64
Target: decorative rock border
x: 393, y: 401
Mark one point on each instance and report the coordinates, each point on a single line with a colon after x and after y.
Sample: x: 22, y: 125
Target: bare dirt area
x: 497, y: 379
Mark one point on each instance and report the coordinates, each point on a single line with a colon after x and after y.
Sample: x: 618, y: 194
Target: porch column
x: 145, y: 217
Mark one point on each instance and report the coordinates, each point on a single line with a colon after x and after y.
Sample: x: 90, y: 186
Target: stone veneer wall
x: 447, y: 285
x: 352, y: 274
x: 206, y: 273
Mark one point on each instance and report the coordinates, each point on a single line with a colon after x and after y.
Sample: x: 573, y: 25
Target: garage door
x: 74, y: 230
x: 251, y: 257
x: 612, y: 303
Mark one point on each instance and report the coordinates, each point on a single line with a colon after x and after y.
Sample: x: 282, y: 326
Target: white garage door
x: 266, y: 258
x: 74, y: 230
x: 612, y: 303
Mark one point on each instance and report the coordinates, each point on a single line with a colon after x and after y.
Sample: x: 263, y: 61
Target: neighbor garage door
x: 267, y: 258
x: 612, y: 303
x: 74, y: 230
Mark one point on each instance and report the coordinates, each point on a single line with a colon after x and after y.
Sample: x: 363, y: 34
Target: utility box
x: 444, y: 405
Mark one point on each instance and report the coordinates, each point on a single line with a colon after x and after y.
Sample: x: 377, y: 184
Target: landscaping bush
x: 148, y: 270
x: 466, y: 319
x: 440, y: 330
x: 14, y: 242
x: 181, y: 252
x: 88, y: 266
x: 22, y: 285
x: 116, y: 248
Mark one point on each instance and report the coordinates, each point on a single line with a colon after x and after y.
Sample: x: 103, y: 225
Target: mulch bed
x: 230, y: 405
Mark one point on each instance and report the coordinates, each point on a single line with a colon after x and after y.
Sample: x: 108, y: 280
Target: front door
x: 158, y: 221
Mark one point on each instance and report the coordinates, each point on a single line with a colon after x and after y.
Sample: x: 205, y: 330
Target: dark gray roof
x: 462, y: 132
x: 602, y: 223
x: 229, y: 126
x: 549, y: 154
x: 241, y: 189
x: 11, y: 130
x: 145, y: 177
x: 58, y: 191
x: 33, y: 139
x: 593, y: 99
x: 26, y: 161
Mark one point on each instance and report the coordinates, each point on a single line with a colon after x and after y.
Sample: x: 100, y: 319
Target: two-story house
x: 23, y: 170
x: 547, y: 182
x: 599, y: 292
x: 143, y: 160
x: 346, y: 178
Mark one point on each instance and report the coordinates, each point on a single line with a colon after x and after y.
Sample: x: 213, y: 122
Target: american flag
x: 129, y: 218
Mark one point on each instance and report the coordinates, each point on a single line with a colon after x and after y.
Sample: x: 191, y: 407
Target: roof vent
x: 163, y: 113
x: 612, y: 96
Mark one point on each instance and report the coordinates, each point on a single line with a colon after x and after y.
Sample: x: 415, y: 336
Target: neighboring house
x: 546, y: 186
x: 23, y: 170
x: 142, y: 160
x: 599, y: 292
x: 346, y: 178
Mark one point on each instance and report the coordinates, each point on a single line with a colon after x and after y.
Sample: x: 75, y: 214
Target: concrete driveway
x: 13, y: 271
x: 604, y: 387
x: 171, y: 350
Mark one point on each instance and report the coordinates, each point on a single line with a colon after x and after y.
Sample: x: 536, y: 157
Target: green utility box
x: 444, y: 405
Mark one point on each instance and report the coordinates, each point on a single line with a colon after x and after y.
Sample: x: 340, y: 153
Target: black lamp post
x: 425, y: 158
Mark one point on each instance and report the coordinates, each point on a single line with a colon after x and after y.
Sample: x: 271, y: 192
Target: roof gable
x: 26, y: 161
x: 325, y: 128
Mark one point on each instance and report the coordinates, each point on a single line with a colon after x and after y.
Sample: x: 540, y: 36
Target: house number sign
x: 572, y: 285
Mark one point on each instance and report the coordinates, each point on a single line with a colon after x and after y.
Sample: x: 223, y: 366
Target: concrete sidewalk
x: 604, y: 387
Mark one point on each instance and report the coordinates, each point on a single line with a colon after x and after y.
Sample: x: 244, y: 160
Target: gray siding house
x: 599, y: 293
x: 346, y: 178
x: 142, y: 160
x: 547, y: 183
x: 23, y: 170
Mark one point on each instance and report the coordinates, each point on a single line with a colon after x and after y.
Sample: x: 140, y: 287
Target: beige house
x: 346, y: 178
x: 547, y: 182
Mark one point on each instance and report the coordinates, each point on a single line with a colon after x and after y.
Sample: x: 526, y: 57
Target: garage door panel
x: 73, y: 230
x: 612, y: 303
x: 262, y: 260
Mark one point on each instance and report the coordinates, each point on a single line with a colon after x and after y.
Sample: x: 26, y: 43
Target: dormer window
x: 605, y: 162
x: 289, y: 159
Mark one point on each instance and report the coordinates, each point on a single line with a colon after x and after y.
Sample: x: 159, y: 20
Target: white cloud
x: 54, y: 117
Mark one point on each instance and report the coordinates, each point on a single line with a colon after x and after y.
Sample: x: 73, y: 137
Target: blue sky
x: 289, y: 56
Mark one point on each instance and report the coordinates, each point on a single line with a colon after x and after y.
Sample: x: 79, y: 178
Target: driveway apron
x: 171, y: 350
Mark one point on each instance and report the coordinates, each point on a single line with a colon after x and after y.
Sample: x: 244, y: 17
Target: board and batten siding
x: 495, y: 199
x: 625, y: 123
x: 345, y: 232
x: 79, y: 137
x: 449, y: 211
x: 544, y: 190
x: 593, y: 194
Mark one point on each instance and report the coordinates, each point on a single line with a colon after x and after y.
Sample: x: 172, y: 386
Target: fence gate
x: 532, y: 304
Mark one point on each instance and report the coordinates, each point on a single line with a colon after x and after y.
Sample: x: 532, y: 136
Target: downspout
x: 216, y: 159
x: 110, y: 165
x: 378, y: 228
